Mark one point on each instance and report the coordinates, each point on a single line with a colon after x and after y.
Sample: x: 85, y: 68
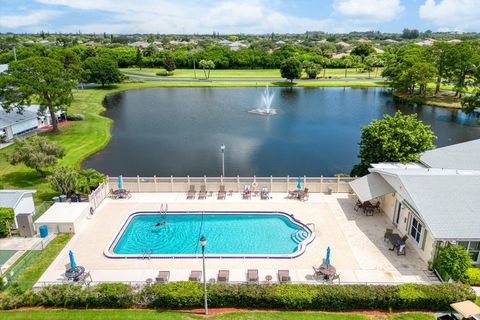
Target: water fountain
x: 267, y: 99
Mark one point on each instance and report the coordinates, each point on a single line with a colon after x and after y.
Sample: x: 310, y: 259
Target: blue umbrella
x: 120, y: 182
x: 299, y: 183
x: 327, y: 259
x: 73, y: 264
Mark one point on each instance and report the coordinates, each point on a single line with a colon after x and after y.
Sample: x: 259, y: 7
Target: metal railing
x: 233, y: 184
x: 41, y: 209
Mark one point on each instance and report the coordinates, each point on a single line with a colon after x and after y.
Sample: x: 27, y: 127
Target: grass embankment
x: 28, y: 271
x: 249, y: 73
x: 153, y: 314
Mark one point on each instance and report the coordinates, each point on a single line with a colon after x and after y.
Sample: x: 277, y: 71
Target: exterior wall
x: 7, y: 131
x: 25, y: 205
x: 25, y: 126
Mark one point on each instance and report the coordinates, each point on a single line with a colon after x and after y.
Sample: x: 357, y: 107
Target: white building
x: 64, y: 217
x: 43, y: 117
x: 21, y: 201
x: 13, y: 124
x: 433, y: 202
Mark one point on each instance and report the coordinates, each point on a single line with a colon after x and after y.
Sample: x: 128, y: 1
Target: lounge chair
x: 68, y: 266
x: 252, y: 276
x: 336, y: 276
x: 223, y: 275
x: 264, y: 195
x: 203, y: 192
x: 195, y: 276
x: 317, y: 272
x: 303, y: 195
x: 293, y: 194
x: 247, y: 194
x: 162, y: 277
x: 221, y: 193
x: 387, y: 233
x: 85, y: 278
x: 284, y: 276
x: 191, y: 192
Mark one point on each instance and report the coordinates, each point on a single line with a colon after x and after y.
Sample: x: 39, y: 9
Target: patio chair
x: 303, y: 195
x: 195, y: 276
x: 293, y: 194
x: 247, y: 194
x: 376, y: 206
x: 252, y: 276
x: 68, y: 266
x: 85, y: 278
x: 404, y: 238
x: 358, y: 205
x: 221, y: 193
x: 223, y: 276
x: 336, y: 276
x: 387, y: 233
x: 265, y: 194
x: 402, y: 250
x: 191, y: 192
x: 162, y: 277
x: 317, y: 272
x: 203, y: 193
x: 284, y: 276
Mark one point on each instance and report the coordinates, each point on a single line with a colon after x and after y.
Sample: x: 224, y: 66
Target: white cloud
x: 150, y: 16
x: 30, y: 19
x: 456, y: 15
x: 368, y: 11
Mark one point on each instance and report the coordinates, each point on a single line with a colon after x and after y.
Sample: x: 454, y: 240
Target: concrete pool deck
x: 358, y: 250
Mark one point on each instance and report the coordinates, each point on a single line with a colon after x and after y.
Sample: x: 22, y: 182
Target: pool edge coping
x: 108, y: 251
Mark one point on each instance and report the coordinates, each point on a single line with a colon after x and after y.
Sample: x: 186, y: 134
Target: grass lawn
x: 29, y: 273
x: 478, y: 301
x: 248, y: 73
x: 152, y: 314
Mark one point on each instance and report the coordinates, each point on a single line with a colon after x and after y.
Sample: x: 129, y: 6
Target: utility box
x: 25, y: 225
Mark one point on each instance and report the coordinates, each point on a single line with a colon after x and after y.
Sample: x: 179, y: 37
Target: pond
x: 178, y: 131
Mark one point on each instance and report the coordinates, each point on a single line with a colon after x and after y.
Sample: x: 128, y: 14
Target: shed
x: 21, y: 201
x: 64, y: 217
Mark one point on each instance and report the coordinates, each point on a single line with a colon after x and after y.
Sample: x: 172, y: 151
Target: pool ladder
x: 146, y: 254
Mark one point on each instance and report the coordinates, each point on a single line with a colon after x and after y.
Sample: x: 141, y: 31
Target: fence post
x: 304, y: 182
x: 271, y: 184
x: 238, y: 183
x: 321, y: 184
x: 205, y: 181
x: 221, y: 179
x: 338, y: 183
x: 171, y: 183
x: 188, y: 182
x: 155, y: 183
x: 288, y: 183
x: 138, y: 183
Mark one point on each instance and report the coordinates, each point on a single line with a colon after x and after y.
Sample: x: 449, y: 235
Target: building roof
x: 10, y: 118
x: 3, y: 67
x: 370, y: 186
x: 10, y: 198
x: 63, y: 212
x: 445, y: 199
x: 464, y: 156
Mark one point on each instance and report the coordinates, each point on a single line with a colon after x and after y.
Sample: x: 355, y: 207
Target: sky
x: 237, y: 16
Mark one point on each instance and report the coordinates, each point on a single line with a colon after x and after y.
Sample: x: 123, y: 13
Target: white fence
x: 98, y: 195
x: 233, y: 184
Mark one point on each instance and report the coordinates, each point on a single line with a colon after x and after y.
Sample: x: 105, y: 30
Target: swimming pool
x: 229, y: 234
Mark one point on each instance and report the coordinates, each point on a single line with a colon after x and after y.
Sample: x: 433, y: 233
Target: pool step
x: 299, y: 235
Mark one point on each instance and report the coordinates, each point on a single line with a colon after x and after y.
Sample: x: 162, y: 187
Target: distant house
x: 139, y: 44
x: 343, y: 44
x: 21, y: 201
x: 3, y: 68
x: 426, y: 42
x: 13, y: 124
x: 339, y: 55
x: 280, y: 43
x: 44, y: 118
x: 454, y: 41
x: 234, y: 46
x: 47, y: 43
x: 379, y: 51
x: 224, y: 42
x: 433, y: 202
x: 391, y: 41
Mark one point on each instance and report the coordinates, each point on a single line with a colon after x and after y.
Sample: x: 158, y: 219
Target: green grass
x: 477, y: 301
x: 27, y: 274
x: 247, y: 73
x: 179, y: 315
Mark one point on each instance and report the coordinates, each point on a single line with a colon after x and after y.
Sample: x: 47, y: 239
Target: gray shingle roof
x: 447, y: 200
x: 9, y: 118
x: 458, y: 156
x: 10, y: 198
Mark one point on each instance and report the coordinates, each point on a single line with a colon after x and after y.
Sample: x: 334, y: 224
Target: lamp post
x: 222, y: 149
x: 203, y: 243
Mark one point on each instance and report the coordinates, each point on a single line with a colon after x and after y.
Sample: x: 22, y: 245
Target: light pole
x: 203, y: 243
x: 222, y: 149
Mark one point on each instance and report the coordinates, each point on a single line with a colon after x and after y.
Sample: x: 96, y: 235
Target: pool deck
x: 358, y: 250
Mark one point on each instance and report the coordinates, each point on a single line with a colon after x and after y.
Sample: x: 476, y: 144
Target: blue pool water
x: 227, y: 234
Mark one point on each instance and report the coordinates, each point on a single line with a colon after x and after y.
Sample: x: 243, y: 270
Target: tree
x: 6, y: 221
x: 348, y: 61
x: 437, y: 54
x: 363, y: 50
x: 471, y: 103
x: 454, y: 261
x: 398, y: 138
x: 139, y: 58
x: 291, y: 69
x: 36, y: 152
x: 88, y: 180
x: 312, y: 69
x: 169, y: 64
x: 102, y: 70
x: 410, y: 33
x: 38, y: 79
x: 206, y: 65
x: 64, y: 180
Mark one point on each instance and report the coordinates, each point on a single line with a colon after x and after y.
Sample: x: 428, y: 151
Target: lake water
x: 178, y: 131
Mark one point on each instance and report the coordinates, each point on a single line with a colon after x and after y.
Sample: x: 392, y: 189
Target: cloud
x: 30, y: 19
x: 368, y: 11
x: 147, y: 16
x: 452, y: 15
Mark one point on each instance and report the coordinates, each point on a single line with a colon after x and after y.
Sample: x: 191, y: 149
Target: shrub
x: 165, y: 73
x: 76, y: 117
x: 110, y: 295
x: 88, y: 180
x: 6, y: 221
x: 454, y: 260
x: 175, y: 294
x: 64, y: 180
x: 473, y: 276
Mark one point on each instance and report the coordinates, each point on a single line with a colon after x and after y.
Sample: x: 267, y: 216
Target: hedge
x: 286, y: 296
x: 473, y: 276
x: 6, y: 221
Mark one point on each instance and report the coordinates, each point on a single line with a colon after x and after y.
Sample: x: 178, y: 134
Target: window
x: 416, y: 230
x: 474, y: 250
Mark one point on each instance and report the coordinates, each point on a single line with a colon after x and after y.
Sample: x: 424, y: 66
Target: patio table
x: 395, y: 240
x: 74, y: 273
x: 327, y: 271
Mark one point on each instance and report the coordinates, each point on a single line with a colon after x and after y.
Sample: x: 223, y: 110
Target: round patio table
x: 74, y: 273
x: 328, y: 271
